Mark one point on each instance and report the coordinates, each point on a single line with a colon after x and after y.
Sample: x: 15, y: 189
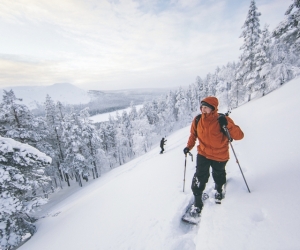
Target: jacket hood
x: 213, y: 101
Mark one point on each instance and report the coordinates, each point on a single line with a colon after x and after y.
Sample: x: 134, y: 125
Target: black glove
x: 222, y: 121
x: 186, y: 150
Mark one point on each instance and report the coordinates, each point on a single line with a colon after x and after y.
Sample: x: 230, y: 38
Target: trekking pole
x: 237, y: 161
x: 185, y: 168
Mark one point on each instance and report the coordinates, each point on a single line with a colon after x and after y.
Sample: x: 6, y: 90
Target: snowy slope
x: 139, y: 205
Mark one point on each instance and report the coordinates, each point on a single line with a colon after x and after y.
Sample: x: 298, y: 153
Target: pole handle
x: 191, y: 155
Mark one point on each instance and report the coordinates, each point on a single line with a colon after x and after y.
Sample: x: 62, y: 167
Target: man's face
x: 205, y: 109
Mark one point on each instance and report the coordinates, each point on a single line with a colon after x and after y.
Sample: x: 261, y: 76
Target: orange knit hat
x: 211, y: 102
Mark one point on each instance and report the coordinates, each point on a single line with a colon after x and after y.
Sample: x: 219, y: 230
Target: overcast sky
x: 119, y: 44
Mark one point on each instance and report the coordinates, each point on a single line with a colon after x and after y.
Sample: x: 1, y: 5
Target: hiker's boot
x: 195, y: 211
x: 197, y: 206
x: 218, y: 197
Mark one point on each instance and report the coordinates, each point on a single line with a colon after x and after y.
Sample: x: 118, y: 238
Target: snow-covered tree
x: 142, y: 137
x: 170, y: 113
x: 251, y: 34
x: 61, y: 111
x: 161, y: 125
x: 171, y: 110
x: 193, y: 97
x: 213, y: 81
x: 132, y: 112
x: 124, y: 139
x: 289, y: 29
x: 54, y: 126
x: 226, y: 77
x: 150, y: 109
x: 263, y: 60
x: 22, y: 181
x: 202, y: 90
x: 91, y: 143
x: 108, y: 135
x: 75, y: 162
x: 17, y: 121
x: 54, y: 137
x: 183, y: 109
x: 283, y: 65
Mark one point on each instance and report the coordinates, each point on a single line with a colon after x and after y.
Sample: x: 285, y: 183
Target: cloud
x: 118, y: 43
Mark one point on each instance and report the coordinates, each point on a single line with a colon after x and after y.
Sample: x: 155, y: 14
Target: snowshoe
x: 192, y: 215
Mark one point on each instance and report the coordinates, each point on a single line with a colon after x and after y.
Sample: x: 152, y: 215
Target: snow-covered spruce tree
x: 161, y: 126
x: 283, y: 65
x: 220, y: 86
x: 188, y: 96
x: 124, y: 139
x: 193, y: 97
x: 17, y: 121
x: 289, y: 29
x: 55, y: 139
x: 61, y: 111
x: 183, y: 109
x: 141, y: 131
x: 212, y: 81
x: 22, y: 177
x: 150, y: 109
x: 263, y: 61
x: 82, y: 143
x: 251, y: 33
x: 171, y: 111
x: 74, y: 163
x: 205, y: 85
x: 133, y: 114
x: 142, y: 135
x: 108, y: 135
x: 54, y: 127
x: 201, y: 88
x: 226, y: 79
x: 169, y: 114
x: 60, y: 116
x: 92, y: 143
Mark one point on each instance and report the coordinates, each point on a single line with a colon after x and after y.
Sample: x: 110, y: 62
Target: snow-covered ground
x: 105, y: 117
x: 138, y: 205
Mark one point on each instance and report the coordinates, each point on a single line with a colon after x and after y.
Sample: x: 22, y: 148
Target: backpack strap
x: 198, y: 117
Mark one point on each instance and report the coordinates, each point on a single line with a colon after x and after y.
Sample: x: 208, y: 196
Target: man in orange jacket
x: 213, y: 149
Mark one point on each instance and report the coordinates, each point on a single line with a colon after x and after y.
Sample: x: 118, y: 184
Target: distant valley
x: 96, y: 100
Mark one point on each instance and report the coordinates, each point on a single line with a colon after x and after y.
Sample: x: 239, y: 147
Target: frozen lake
x: 105, y: 116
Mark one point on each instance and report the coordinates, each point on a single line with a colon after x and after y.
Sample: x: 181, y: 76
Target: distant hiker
x: 162, y: 143
x: 213, y: 149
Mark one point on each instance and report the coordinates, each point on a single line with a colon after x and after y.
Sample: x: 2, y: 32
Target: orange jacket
x: 213, y: 144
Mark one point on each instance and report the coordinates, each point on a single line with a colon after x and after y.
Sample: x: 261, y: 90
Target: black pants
x: 202, y: 174
x: 162, y: 149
